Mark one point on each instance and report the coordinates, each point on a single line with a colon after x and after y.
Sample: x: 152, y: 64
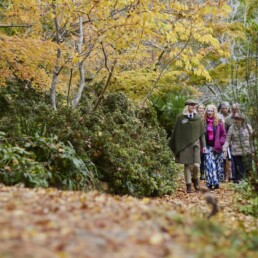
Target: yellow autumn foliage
x: 29, y: 60
x: 159, y: 39
x: 137, y: 83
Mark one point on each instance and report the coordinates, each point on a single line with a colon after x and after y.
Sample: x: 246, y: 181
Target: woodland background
x: 90, y: 89
x: 89, y: 93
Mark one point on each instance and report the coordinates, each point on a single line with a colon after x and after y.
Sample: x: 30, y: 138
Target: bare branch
x: 105, y: 87
x: 15, y: 25
x: 163, y: 69
x: 105, y: 56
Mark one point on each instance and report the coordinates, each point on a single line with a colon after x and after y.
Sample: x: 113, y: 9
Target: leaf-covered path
x: 51, y: 223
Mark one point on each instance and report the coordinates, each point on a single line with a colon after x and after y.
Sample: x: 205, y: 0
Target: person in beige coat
x: 238, y: 136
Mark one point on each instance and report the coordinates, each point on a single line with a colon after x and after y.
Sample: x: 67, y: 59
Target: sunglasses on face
x: 210, y: 111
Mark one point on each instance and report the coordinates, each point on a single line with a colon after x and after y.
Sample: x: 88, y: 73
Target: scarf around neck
x: 210, y: 133
x: 209, y: 129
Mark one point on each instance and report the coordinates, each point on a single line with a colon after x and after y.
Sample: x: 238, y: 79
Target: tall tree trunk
x: 54, y: 80
x: 232, y: 79
x: 256, y: 99
x: 57, y: 68
x: 78, y: 96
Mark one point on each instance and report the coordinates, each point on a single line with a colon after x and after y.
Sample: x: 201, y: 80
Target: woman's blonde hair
x: 200, y: 105
x: 216, y: 115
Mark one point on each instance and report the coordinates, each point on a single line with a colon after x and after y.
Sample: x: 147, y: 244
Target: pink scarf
x: 209, y: 129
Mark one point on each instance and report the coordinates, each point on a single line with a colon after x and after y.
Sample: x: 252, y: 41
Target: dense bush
x: 168, y: 107
x: 19, y: 166
x: 248, y: 190
x: 130, y: 150
x: 125, y: 143
x: 44, y: 162
x: 67, y: 170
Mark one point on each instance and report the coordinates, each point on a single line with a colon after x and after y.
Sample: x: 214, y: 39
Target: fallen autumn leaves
x: 52, y: 223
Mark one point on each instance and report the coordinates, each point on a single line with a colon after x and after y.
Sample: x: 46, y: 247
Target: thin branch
x: 61, y: 68
x: 105, y: 87
x: 105, y: 56
x: 15, y: 26
x: 163, y: 69
x: 69, y: 85
x: 211, y: 89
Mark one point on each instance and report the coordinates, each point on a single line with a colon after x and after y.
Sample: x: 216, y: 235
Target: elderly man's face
x: 224, y: 110
x: 191, y: 107
x: 235, y: 110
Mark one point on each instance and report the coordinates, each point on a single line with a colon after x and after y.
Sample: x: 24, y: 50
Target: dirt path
x: 50, y: 223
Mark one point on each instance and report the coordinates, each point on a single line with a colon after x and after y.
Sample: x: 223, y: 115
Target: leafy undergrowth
x: 53, y: 223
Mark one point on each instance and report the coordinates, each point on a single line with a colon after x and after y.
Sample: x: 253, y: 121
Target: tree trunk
x: 54, y: 80
x: 57, y: 68
x: 78, y: 96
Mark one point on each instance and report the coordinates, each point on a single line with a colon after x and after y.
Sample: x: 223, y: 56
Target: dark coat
x: 190, y: 154
x: 220, y: 137
x: 184, y: 141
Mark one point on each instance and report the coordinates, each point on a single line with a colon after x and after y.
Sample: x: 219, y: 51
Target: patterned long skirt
x: 213, y: 167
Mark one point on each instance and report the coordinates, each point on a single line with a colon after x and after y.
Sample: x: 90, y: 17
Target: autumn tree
x: 25, y: 55
x: 80, y: 42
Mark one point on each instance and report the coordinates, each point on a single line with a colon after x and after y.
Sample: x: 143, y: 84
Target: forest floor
x: 46, y: 223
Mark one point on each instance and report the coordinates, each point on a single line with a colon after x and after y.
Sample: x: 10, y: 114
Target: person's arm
x: 250, y: 129
x: 228, y: 139
x: 203, y: 143
x: 223, y: 134
x: 227, y: 122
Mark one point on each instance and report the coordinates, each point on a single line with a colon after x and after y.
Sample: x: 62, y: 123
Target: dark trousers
x: 240, y: 170
x: 233, y: 167
x: 202, y: 164
x: 242, y: 166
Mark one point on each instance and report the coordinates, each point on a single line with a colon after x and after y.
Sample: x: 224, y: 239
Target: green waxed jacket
x: 186, y: 138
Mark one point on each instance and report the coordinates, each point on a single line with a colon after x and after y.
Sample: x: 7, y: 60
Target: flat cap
x: 191, y: 101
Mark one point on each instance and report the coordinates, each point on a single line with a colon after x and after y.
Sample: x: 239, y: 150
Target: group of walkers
x: 216, y: 142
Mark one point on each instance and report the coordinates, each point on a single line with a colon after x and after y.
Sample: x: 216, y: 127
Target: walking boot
x: 196, y: 184
x: 189, y: 188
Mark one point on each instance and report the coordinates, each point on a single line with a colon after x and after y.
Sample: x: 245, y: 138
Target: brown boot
x: 189, y: 188
x: 196, y: 184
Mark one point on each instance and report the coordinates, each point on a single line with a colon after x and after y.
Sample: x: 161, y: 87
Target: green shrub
x: 119, y: 144
x: 168, y: 107
x: 130, y: 149
x: 19, y: 166
x: 247, y: 191
x: 67, y: 170
x: 45, y: 162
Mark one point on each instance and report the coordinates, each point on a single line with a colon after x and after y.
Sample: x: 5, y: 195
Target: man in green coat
x: 185, y: 141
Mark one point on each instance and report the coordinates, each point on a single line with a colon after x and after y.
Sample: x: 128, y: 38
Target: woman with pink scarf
x: 215, y: 138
